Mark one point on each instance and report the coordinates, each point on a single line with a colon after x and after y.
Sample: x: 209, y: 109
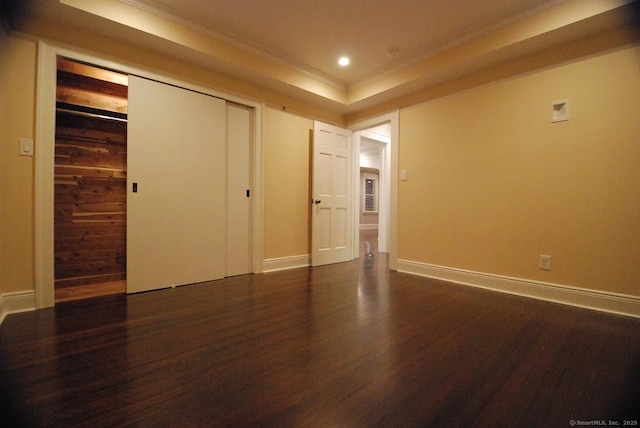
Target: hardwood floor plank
x: 339, y: 345
x: 88, y: 287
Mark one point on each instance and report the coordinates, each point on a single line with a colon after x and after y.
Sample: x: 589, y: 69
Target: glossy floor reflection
x: 339, y: 345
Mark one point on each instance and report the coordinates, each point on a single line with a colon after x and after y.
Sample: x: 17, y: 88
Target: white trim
x: 19, y: 301
x: 284, y: 263
x: 603, y: 301
x: 257, y: 192
x: 44, y: 171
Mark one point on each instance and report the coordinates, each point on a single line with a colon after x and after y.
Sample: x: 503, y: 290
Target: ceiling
x: 378, y: 35
x: 292, y: 46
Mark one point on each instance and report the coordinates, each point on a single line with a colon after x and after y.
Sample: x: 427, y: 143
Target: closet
x: 163, y: 197
x: 90, y: 181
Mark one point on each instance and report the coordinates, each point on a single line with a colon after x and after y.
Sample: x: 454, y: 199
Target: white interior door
x: 332, y: 195
x: 176, y: 198
x: 238, y: 190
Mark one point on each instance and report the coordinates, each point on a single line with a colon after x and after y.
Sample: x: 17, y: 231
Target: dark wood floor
x: 339, y: 345
x: 88, y: 291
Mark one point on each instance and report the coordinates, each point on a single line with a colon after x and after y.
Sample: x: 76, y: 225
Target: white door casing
x: 331, y: 201
x: 177, y: 158
x: 388, y: 202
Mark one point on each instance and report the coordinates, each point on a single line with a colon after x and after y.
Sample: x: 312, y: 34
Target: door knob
x: 317, y: 201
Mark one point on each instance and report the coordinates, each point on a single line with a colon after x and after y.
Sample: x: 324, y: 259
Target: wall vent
x: 560, y: 111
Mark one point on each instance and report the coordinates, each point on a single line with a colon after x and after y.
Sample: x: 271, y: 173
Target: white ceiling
x: 291, y: 47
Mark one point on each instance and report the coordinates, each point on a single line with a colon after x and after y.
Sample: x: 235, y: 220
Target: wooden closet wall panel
x: 90, y: 200
x: 177, y: 158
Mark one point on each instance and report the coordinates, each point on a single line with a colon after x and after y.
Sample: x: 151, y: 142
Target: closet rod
x: 87, y: 114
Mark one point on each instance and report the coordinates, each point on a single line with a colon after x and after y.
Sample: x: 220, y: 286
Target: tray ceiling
x: 292, y: 46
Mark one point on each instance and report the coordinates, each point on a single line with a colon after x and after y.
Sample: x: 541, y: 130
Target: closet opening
x: 90, y: 181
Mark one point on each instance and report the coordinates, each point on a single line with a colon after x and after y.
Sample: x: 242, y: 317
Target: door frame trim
x: 390, y: 180
x: 44, y: 158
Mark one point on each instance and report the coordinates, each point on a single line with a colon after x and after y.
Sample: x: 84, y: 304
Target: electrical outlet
x: 545, y: 262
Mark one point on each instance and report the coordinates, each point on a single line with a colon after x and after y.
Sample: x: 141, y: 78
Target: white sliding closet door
x: 176, y: 200
x: 238, y: 190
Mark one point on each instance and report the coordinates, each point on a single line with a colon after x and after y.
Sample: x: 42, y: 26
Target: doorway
x: 369, y: 200
x: 90, y: 171
x: 373, y: 189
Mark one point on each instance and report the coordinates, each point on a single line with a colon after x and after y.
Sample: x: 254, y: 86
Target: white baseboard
x: 621, y: 304
x: 20, y: 301
x: 282, y: 263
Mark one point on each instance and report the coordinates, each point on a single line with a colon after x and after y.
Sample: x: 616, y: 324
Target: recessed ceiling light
x: 344, y: 61
x: 393, y: 52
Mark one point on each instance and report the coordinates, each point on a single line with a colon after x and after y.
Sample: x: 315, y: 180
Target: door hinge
x: 248, y: 193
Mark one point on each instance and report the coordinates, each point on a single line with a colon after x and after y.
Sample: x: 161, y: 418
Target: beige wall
x: 17, y: 109
x: 493, y: 183
x: 287, y: 195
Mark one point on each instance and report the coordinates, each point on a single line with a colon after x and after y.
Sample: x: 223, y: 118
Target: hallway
x: 371, y: 236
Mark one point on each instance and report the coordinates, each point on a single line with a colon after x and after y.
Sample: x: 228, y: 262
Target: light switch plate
x: 26, y: 147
